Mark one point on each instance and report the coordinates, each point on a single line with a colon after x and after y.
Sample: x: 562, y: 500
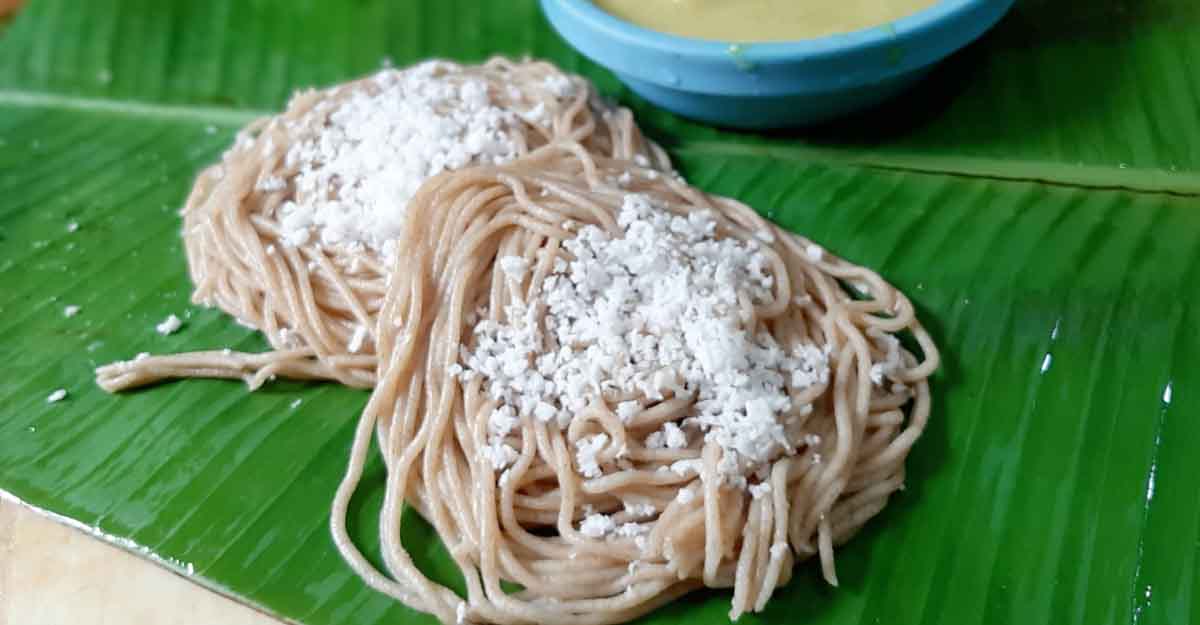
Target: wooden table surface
x: 51, y: 574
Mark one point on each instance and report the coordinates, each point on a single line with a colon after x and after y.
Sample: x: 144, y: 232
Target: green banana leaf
x: 1038, y: 197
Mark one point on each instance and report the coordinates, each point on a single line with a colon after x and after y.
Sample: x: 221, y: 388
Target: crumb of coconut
x: 71, y: 311
x: 630, y: 530
x: 499, y: 455
x: 640, y: 510
x: 169, y: 326
x: 597, y: 526
x: 877, y: 374
x: 758, y: 491
x: 585, y: 454
x: 56, y: 396
x: 627, y: 410
x: 684, y: 467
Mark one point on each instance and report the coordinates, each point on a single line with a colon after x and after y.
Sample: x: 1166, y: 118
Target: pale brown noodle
x: 430, y: 427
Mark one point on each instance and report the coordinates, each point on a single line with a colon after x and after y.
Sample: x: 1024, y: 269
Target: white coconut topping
x: 892, y: 362
x: 671, y: 436
x: 502, y: 421
x: 626, y: 410
x: 651, y: 313
x: 169, y: 326
x: 501, y: 455
x: 56, y: 396
x: 758, y: 491
x: 71, y: 311
x: 685, y: 468
x: 632, y: 530
x: 358, y: 169
x: 585, y: 454
x: 597, y: 525
x: 640, y: 510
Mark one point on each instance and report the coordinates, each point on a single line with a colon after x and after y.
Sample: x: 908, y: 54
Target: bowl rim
x: 835, y: 44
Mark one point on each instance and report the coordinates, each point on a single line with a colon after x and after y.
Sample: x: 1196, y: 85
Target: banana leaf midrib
x: 1084, y: 176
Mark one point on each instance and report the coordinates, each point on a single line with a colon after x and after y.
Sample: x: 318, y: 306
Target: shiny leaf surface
x: 1038, y: 197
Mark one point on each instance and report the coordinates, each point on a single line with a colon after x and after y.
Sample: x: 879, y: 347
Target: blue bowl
x: 776, y: 84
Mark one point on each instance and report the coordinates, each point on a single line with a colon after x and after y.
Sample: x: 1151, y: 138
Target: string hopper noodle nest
x: 612, y: 396
x: 292, y: 233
